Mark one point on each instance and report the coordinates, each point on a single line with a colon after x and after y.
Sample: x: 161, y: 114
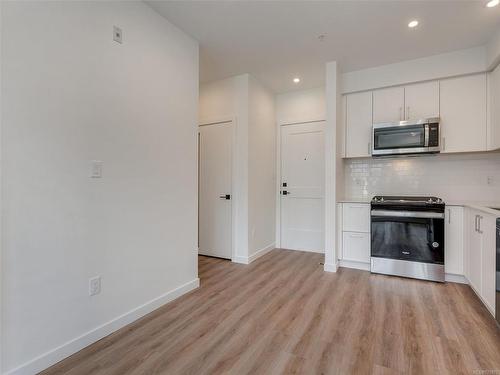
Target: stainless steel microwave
x: 406, y: 137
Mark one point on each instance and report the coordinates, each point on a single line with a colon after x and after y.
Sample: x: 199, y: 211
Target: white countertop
x: 482, y: 206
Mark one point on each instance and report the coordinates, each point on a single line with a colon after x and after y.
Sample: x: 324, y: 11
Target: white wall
x: 301, y: 106
x: 493, y: 51
x: 261, y: 168
x: 71, y: 95
x: 451, y: 177
x: 450, y: 64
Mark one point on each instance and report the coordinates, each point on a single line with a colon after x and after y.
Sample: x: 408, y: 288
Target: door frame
x: 234, y: 193
x: 278, y: 174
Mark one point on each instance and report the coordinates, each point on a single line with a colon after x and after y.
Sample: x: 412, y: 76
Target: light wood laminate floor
x: 284, y: 315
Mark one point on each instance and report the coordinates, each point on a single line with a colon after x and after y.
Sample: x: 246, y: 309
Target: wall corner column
x: 332, y: 93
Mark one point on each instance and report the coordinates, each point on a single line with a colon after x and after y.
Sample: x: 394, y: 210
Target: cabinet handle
x: 400, y: 113
x: 408, y: 112
x: 479, y: 224
x: 475, y: 222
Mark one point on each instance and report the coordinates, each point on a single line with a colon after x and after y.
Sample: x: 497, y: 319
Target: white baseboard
x: 308, y: 250
x: 57, y: 354
x: 254, y: 256
x: 453, y: 278
x: 356, y: 265
x: 330, y: 267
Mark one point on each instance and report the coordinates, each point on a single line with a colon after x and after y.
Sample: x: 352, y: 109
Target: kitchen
x: 250, y: 187
x: 421, y: 162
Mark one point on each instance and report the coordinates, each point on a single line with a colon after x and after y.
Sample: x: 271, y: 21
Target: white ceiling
x: 277, y: 40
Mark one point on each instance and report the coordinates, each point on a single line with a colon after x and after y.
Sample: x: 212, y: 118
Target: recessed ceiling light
x: 414, y: 23
x: 492, y: 3
x: 296, y: 80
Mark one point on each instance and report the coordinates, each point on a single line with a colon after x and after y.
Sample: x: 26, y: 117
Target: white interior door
x: 302, y: 186
x: 215, y: 220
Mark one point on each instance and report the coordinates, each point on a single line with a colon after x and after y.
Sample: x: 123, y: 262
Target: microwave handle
x: 426, y: 135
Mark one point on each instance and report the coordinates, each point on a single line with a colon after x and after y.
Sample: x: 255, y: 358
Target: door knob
x: 225, y: 196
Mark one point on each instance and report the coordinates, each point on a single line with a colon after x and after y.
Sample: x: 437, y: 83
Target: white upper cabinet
x: 388, y: 104
x: 422, y: 100
x: 358, y: 119
x: 463, y: 114
x: 494, y: 109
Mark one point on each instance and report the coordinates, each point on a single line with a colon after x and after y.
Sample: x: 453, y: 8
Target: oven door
x: 389, y: 139
x: 408, y: 235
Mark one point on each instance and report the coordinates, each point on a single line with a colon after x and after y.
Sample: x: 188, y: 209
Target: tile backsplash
x: 470, y: 177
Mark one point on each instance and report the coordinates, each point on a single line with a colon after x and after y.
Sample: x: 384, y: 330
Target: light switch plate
x: 96, y: 169
x: 94, y: 286
x: 117, y: 34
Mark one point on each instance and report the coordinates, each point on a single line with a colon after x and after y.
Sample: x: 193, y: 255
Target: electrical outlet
x: 117, y: 34
x: 96, y: 169
x: 490, y: 180
x: 94, y: 285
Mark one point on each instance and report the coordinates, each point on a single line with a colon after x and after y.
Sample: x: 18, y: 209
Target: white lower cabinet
x: 356, y: 217
x: 480, y: 230
x: 354, y: 241
x: 454, y: 240
x: 356, y: 247
x: 488, y: 271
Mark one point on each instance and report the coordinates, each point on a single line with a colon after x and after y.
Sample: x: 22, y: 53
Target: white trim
x: 287, y: 123
x: 65, y: 350
x: 453, y: 278
x: 307, y: 250
x: 278, y: 187
x: 254, y: 256
x: 331, y: 267
x: 216, y: 120
x: 356, y: 265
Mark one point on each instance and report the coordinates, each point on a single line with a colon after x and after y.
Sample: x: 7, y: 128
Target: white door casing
x: 215, y: 182
x: 302, y: 169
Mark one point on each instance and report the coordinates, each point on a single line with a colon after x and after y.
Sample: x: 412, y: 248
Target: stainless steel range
x: 407, y: 237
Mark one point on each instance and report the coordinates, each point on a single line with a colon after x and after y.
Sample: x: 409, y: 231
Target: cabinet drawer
x: 356, y: 217
x: 356, y: 246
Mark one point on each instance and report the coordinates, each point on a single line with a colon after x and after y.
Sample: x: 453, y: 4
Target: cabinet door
x: 494, y: 109
x: 463, y: 114
x: 422, y: 100
x: 356, y: 247
x: 388, y: 104
x: 454, y: 240
x: 359, y: 124
x: 474, y: 262
x: 488, y: 256
x: 356, y: 217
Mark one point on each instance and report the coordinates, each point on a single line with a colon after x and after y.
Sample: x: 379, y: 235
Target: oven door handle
x: 415, y: 214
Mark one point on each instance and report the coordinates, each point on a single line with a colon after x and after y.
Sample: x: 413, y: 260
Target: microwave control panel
x: 433, y: 135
